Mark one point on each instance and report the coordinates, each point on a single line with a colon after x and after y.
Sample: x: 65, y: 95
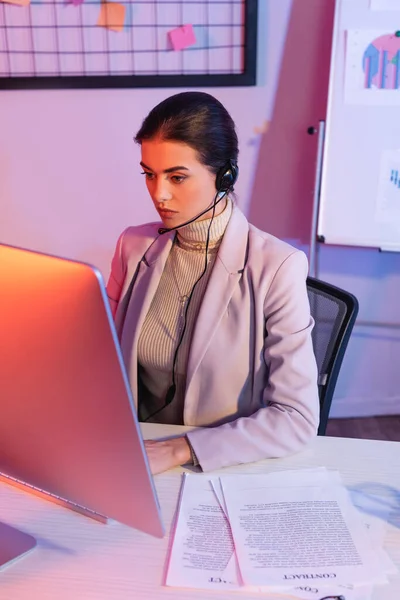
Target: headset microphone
x: 163, y: 230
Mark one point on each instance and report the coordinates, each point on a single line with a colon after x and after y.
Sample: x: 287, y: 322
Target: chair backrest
x: 334, y: 311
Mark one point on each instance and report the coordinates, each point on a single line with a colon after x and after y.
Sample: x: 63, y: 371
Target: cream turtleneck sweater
x: 164, y: 321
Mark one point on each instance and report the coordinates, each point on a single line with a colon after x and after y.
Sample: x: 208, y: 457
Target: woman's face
x: 180, y: 186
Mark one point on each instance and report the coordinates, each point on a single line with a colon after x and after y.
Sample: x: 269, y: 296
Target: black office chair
x: 334, y: 312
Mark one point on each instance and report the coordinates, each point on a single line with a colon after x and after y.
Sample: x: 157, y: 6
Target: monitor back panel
x: 68, y: 424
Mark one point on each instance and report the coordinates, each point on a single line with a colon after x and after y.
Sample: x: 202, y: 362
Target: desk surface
x: 77, y: 558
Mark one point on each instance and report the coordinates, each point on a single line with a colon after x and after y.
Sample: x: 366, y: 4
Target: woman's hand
x: 167, y: 454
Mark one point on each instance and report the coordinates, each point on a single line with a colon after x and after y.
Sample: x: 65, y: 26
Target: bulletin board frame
x: 248, y: 76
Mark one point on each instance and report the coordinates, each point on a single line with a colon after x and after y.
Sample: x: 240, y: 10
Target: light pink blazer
x: 251, y: 373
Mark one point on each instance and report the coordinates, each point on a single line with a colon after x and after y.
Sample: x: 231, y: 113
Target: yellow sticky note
x: 17, y: 2
x: 112, y: 16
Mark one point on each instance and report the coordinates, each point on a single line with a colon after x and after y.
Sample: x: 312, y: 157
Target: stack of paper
x: 292, y: 532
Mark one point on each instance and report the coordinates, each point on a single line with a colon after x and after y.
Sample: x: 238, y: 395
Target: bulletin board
x: 127, y: 43
x: 359, y: 202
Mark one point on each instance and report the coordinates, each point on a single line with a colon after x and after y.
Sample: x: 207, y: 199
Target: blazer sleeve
x: 290, y: 416
x: 117, y: 275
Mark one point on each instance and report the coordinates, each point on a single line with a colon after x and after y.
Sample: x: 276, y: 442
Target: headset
x: 227, y: 176
x: 225, y: 180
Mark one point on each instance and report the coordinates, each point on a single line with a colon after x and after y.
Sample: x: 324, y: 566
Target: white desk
x: 78, y: 558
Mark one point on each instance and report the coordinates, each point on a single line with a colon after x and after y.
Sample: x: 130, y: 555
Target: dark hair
x: 197, y: 119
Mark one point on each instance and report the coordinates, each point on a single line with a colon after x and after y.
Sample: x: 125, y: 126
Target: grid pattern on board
x: 62, y: 38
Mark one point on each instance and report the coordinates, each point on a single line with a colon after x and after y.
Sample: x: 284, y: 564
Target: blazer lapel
x: 225, y: 275
x: 144, y: 287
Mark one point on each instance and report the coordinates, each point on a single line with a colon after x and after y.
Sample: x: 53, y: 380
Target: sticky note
x: 182, y: 37
x: 262, y: 129
x: 17, y: 2
x: 76, y: 2
x: 112, y: 16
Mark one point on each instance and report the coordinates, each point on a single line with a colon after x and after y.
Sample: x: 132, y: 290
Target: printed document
x: 289, y: 532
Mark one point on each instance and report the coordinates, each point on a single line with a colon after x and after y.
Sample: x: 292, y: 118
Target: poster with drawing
x: 388, y: 197
x: 372, y: 70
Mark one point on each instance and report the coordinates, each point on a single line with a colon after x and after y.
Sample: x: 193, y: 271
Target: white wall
x: 369, y: 381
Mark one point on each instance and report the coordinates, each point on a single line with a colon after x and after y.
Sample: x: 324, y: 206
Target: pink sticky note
x: 182, y: 37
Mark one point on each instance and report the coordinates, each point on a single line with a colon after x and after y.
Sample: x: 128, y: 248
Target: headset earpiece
x: 227, y: 176
x: 224, y: 182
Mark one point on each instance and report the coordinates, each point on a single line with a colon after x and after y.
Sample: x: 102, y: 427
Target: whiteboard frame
x: 321, y: 234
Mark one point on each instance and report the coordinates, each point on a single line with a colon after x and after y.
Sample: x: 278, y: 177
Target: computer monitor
x: 68, y: 423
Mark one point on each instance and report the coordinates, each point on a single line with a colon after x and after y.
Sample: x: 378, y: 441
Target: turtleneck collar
x: 193, y: 237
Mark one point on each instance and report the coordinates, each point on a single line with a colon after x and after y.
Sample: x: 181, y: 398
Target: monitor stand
x: 13, y: 544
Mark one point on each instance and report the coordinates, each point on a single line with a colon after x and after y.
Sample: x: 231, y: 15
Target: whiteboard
x: 359, y: 202
x: 126, y: 43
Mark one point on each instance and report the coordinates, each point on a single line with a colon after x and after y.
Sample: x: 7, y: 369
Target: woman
x: 212, y: 313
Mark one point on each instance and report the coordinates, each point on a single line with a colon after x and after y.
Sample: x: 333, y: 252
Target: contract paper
x: 284, y: 535
x: 288, y: 532
x: 203, y: 552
